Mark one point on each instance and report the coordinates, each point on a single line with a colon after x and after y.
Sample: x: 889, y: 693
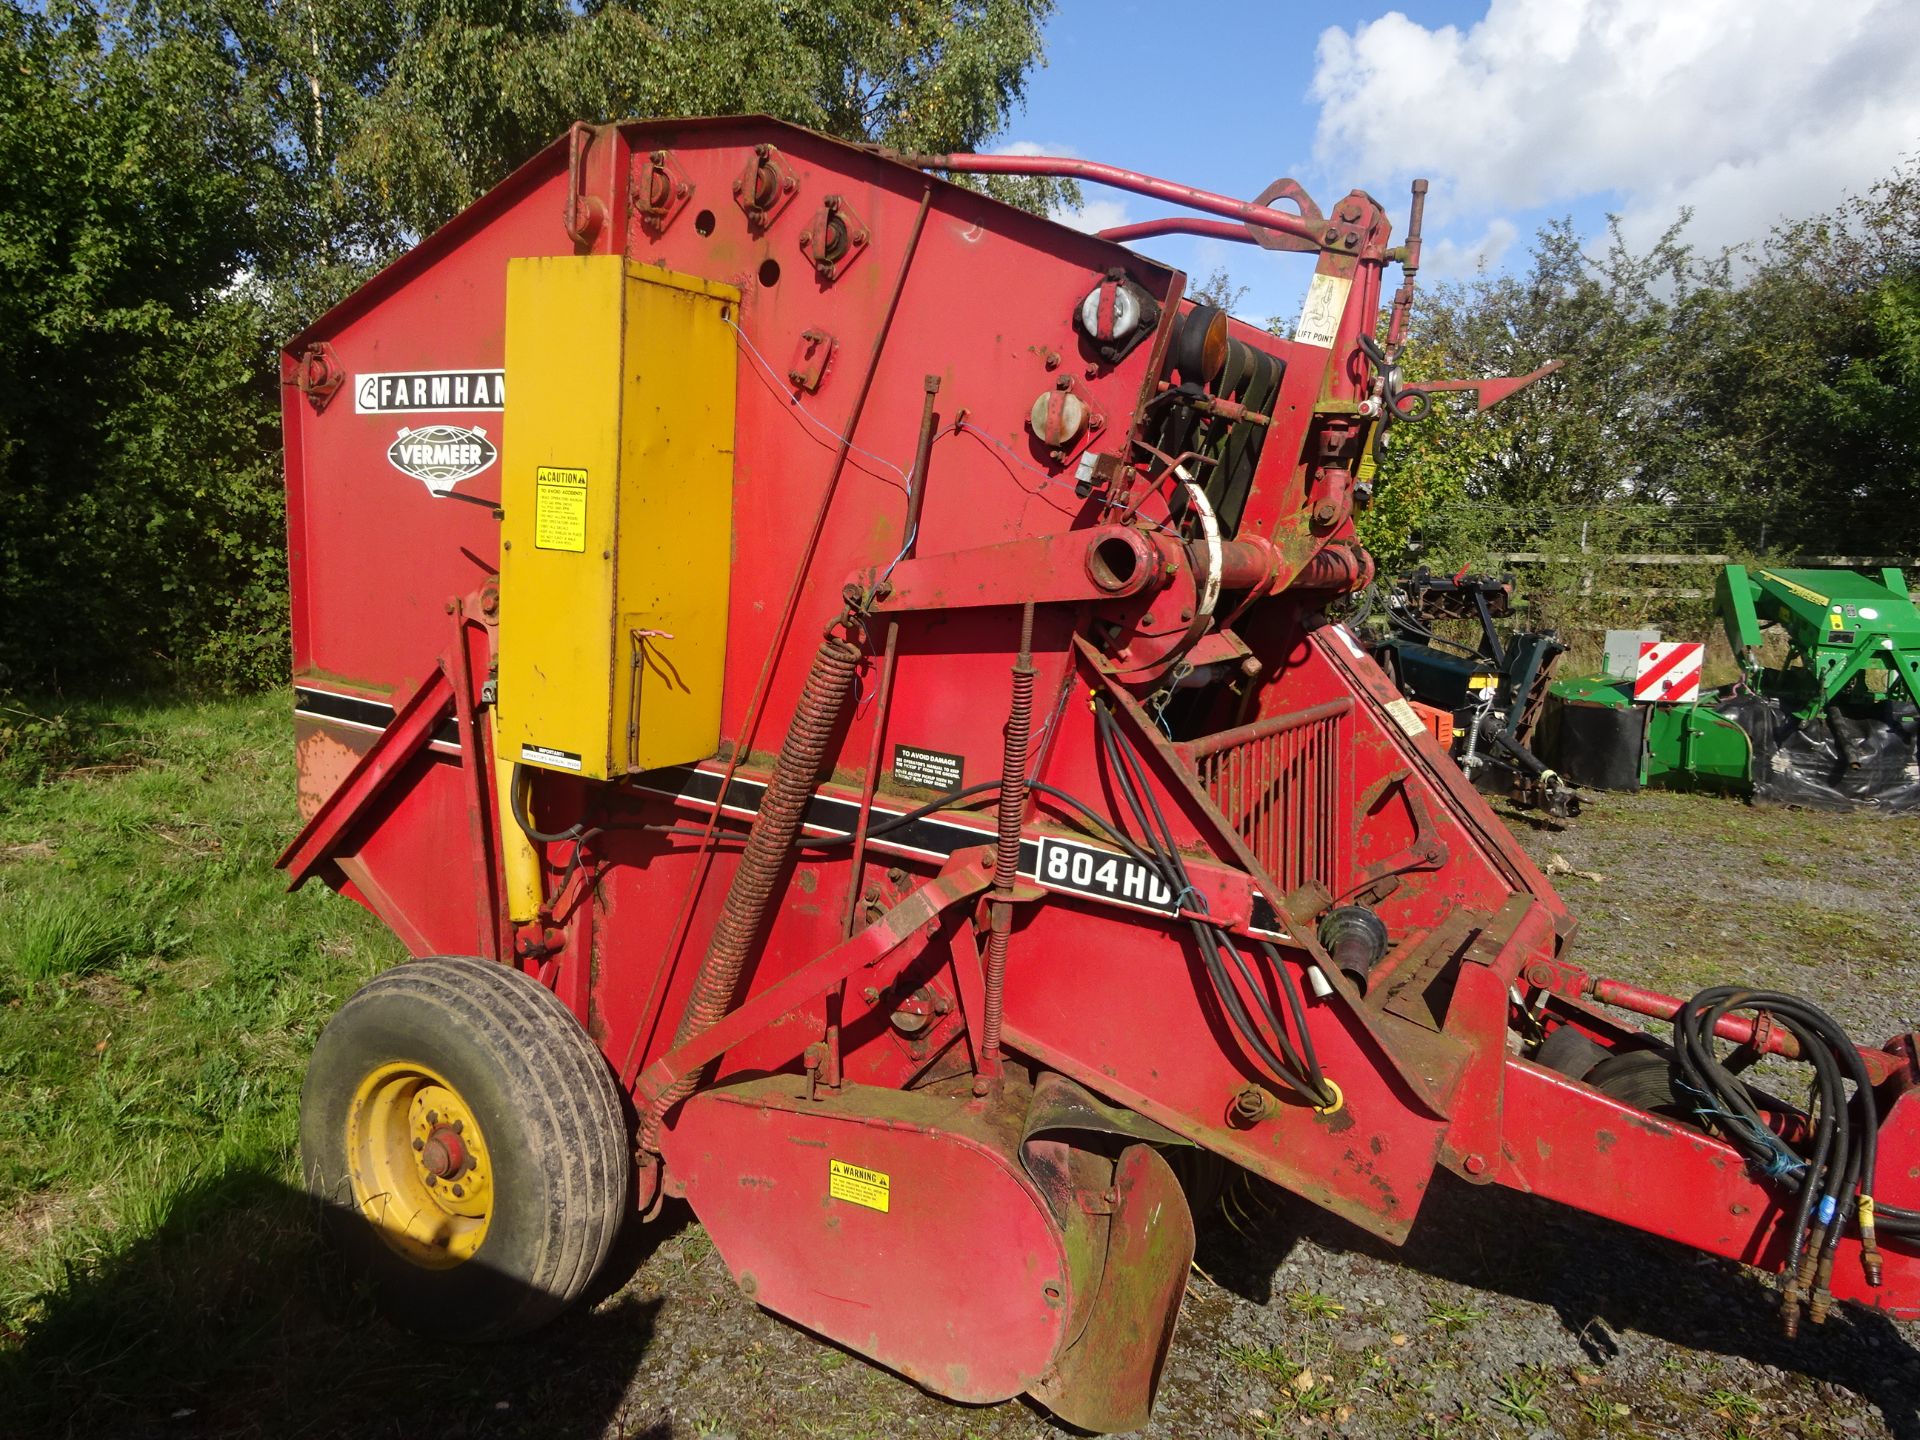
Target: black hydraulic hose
x: 1300, y: 1072
x: 1832, y: 1173
x: 517, y: 795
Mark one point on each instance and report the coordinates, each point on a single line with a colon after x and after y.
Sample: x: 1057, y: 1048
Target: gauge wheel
x: 467, y: 1144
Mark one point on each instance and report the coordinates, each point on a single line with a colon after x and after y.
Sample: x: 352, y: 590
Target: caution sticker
x: 870, y: 1188
x: 1403, y: 715
x: 559, y: 509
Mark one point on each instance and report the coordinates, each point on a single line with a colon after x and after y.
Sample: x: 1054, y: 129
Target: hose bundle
x: 1831, y: 1175
x: 1297, y: 1066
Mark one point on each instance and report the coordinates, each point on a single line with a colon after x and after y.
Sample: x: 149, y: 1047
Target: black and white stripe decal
x: 1071, y: 866
x: 357, y: 713
x: 1128, y: 884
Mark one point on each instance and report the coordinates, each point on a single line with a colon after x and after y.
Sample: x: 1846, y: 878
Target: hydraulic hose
x: 769, y: 843
x: 1299, y: 1068
x: 1831, y: 1176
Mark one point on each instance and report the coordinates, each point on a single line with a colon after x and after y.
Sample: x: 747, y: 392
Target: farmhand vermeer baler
x: 828, y: 673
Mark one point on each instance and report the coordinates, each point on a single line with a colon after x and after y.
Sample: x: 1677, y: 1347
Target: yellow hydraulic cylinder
x: 519, y: 861
x: 617, y: 466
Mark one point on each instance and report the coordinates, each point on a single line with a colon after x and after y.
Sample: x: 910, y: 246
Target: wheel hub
x: 419, y: 1166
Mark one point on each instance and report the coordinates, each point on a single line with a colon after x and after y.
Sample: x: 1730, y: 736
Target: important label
x: 559, y: 509
x: 859, y: 1186
x: 929, y: 769
x: 1320, y: 315
x: 551, y: 758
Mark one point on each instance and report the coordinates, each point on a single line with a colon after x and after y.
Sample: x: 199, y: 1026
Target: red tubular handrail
x: 1770, y: 1039
x: 1177, y: 225
x: 1071, y: 168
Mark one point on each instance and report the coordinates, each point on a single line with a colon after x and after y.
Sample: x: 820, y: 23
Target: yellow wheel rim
x: 419, y: 1166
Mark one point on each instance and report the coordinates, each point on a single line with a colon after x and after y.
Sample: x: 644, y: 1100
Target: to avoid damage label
x: 559, y: 509
x: 928, y: 769
x: 854, y: 1183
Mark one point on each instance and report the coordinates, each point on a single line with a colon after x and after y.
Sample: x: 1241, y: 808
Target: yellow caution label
x: 1482, y: 682
x: 1834, y: 621
x: 559, y: 509
x: 870, y: 1188
x: 1802, y: 591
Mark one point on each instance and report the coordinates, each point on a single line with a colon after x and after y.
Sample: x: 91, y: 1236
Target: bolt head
x: 1476, y: 1164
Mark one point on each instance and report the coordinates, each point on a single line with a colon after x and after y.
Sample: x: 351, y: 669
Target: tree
x: 183, y: 183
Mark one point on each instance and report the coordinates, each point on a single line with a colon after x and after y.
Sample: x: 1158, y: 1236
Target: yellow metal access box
x: 617, y: 463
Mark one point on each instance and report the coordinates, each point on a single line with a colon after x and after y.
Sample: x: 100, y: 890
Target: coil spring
x: 769, y: 843
x: 1006, y: 855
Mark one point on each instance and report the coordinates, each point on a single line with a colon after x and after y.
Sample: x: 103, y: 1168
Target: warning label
x: 559, y: 509
x: 870, y: 1188
x: 929, y: 769
x: 1320, y: 316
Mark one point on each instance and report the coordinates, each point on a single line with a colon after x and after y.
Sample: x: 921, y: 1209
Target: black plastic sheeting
x: 1867, y: 763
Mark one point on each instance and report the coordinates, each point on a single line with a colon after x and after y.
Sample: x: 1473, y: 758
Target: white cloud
x: 1095, y: 214
x: 1746, y: 110
x: 1448, y: 259
x: 1030, y: 147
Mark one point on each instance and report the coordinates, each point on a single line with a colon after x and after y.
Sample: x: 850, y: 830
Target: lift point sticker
x: 559, y: 509
x: 871, y: 1188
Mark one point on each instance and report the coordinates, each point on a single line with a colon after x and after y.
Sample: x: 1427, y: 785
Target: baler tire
x: 556, y: 1144
x: 1643, y: 1078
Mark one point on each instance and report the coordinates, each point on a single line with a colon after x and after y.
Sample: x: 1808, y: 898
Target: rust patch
x: 323, y: 762
x: 1542, y: 1148
x: 1337, y: 1123
x: 1605, y: 1140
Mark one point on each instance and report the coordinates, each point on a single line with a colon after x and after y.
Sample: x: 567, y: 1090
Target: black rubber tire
x: 1570, y: 1052
x: 545, y: 1100
x: 1644, y: 1079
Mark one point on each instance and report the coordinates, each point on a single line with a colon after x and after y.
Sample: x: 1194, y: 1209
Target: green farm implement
x: 1833, y: 724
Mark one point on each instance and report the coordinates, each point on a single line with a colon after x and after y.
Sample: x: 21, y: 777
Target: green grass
x: 159, y: 991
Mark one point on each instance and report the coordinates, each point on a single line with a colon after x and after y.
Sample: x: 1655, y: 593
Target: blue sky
x: 1518, y: 110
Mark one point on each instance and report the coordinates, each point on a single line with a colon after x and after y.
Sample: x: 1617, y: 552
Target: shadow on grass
x: 1599, y: 1278
x: 233, y: 1319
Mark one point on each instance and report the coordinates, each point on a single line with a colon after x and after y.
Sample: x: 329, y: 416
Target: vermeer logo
x: 398, y: 391
x: 441, y: 456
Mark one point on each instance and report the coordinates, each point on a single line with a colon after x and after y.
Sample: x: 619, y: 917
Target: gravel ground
x: 1503, y: 1315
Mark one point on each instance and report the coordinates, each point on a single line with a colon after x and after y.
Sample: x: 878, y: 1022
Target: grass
x: 159, y: 991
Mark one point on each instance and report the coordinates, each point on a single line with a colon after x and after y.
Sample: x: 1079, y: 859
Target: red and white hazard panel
x: 1669, y: 670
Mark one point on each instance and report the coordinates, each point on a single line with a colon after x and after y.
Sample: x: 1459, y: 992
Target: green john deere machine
x: 1833, y: 726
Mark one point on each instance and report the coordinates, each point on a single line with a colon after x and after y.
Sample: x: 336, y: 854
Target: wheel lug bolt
x: 432, y: 1180
x: 432, y: 1118
x: 459, y: 1127
x: 459, y: 1192
x: 419, y: 1144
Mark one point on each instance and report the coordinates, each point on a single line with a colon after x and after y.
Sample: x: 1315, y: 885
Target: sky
x: 1518, y: 111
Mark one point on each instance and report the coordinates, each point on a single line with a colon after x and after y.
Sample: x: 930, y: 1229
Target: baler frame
x: 1301, y: 941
